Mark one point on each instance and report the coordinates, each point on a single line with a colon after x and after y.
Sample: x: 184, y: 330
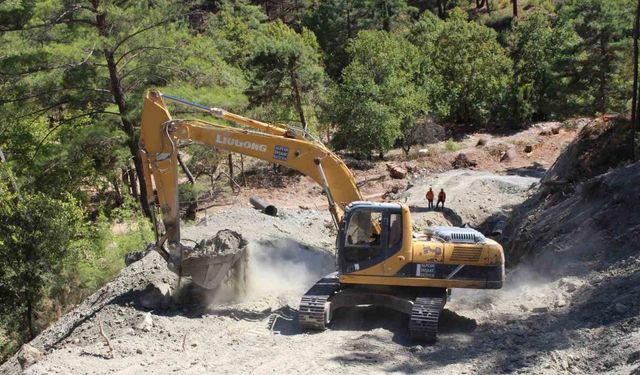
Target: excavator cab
x: 369, y: 234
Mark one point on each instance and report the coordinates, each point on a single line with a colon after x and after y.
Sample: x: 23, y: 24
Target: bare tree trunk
x: 349, y: 30
x: 186, y: 170
x: 133, y: 182
x: 635, y: 106
x: 32, y: 330
x: 231, y: 170
x: 244, y: 178
x: 119, y: 98
x: 386, y: 23
x: 14, y: 184
x: 116, y: 188
x: 297, y: 96
x: 441, y: 9
x: 601, y: 100
x: 515, y: 8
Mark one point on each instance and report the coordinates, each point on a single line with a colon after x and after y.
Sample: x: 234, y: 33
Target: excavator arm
x: 288, y: 147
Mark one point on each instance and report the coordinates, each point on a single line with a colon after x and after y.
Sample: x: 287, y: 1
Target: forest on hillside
x: 365, y: 76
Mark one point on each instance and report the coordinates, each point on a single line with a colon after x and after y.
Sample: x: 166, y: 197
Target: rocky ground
x: 571, y: 305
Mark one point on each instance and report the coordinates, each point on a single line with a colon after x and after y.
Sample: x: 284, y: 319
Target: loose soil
x: 572, y: 306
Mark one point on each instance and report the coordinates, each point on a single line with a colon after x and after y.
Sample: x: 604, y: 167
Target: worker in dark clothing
x: 430, y: 197
x: 442, y: 196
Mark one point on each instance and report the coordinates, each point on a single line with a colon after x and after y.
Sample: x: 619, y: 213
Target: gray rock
x: 145, y: 322
x: 28, y: 355
x: 508, y: 155
x: 157, y: 296
x: 620, y: 308
x: 540, y: 310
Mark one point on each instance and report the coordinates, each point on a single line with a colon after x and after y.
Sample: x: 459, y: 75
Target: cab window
x: 395, y: 230
x: 361, y: 232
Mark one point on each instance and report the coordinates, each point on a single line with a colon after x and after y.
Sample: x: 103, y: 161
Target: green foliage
x: 451, y: 145
x: 108, y: 242
x: 592, y: 72
x: 38, y: 237
x: 532, y: 46
x: 286, y: 70
x: 336, y: 22
x: 377, y: 98
x: 234, y: 28
x: 471, y: 66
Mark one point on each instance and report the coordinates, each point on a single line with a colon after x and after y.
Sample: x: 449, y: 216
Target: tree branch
x: 115, y: 48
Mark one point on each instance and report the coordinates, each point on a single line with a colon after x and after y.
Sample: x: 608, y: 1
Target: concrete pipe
x: 263, y: 206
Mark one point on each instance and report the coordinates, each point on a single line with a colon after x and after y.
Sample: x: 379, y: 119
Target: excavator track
x: 425, y: 313
x: 314, y: 305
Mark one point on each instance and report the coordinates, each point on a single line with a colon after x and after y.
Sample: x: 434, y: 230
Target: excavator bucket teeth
x: 209, y: 271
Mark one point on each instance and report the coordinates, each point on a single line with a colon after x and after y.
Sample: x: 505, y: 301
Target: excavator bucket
x: 210, y: 271
x: 215, y: 260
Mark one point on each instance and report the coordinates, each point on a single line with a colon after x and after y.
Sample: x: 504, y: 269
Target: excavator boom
x: 288, y: 147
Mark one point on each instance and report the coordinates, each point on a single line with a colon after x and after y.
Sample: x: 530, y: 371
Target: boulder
x: 463, y: 161
x: 528, y: 148
x: 423, y: 152
x: 481, y: 142
x: 555, y: 130
x: 28, y: 355
x: 134, y: 256
x: 396, y: 172
x: 508, y: 155
x: 411, y: 168
x: 144, y: 323
x: 545, y: 132
x: 157, y: 296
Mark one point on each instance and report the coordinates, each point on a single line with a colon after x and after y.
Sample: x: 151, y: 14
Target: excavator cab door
x: 370, y: 233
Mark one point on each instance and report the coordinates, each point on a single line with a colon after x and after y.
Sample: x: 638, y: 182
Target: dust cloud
x: 278, y: 268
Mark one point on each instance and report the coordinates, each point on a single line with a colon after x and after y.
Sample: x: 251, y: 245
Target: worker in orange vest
x: 442, y: 196
x: 430, y: 197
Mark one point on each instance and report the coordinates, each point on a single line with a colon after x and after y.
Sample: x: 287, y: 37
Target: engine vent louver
x: 465, y: 254
x: 457, y: 235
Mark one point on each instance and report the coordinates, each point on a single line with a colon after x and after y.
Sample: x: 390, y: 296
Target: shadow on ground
x: 534, y: 170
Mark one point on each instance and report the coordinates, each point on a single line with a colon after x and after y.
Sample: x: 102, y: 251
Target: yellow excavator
x: 380, y: 260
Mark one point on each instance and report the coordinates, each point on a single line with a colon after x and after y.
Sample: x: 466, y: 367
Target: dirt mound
x: 601, y: 145
x: 224, y: 242
x: 594, y: 224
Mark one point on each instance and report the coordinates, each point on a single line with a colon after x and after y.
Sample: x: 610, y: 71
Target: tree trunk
x: 601, y: 99
x: 349, y: 30
x: 441, y: 9
x: 14, y: 184
x: 515, y: 8
x: 386, y: 24
x: 297, y: 96
x: 635, y: 106
x: 116, y: 189
x: 244, y: 178
x: 186, y: 170
x: 32, y: 330
x: 119, y: 98
x: 133, y: 183
x: 231, y: 170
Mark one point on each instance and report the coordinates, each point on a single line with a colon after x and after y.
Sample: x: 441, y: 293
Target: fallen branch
x: 184, y: 341
x: 105, y: 337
